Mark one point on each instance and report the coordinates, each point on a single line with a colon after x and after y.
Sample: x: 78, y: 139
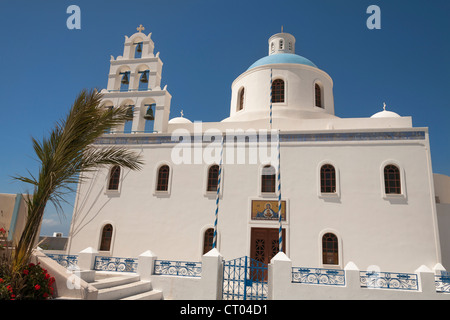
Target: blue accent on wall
x: 12, y: 226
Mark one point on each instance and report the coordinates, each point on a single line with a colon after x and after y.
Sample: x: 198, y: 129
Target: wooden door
x: 264, y: 244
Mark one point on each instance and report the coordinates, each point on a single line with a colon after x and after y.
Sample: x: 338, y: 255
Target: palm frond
x: 66, y: 153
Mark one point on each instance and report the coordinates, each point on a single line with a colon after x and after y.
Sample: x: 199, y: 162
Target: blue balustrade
x: 442, y: 282
x: 64, y: 259
x: 115, y: 264
x: 388, y: 280
x: 178, y: 268
x: 330, y: 277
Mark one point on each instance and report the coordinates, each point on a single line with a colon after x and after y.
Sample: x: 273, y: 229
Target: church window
x: 392, y: 183
x: 163, y: 178
x: 330, y: 249
x: 208, y: 240
x: 213, y: 178
x: 281, y: 44
x: 318, y: 95
x: 114, y: 178
x: 272, y: 47
x: 268, y: 179
x: 278, y: 91
x: 105, y: 243
x: 327, y: 179
x: 241, y: 100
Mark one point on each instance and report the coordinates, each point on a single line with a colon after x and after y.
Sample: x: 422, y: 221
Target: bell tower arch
x: 136, y: 76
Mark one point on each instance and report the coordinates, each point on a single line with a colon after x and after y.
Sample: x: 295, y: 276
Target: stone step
x: 149, y: 295
x: 124, y: 290
x: 114, y: 281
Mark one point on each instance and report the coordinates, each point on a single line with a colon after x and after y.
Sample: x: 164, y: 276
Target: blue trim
x: 287, y: 137
x: 12, y: 227
x: 282, y: 58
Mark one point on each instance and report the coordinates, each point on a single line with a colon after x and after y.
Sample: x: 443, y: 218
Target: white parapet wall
x: 281, y: 286
x: 204, y: 280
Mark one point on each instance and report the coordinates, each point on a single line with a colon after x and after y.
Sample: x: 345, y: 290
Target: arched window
x: 392, y: 183
x: 114, y: 178
x: 268, y: 179
x: 208, y: 240
x: 330, y: 249
x: 278, y: 91
x: 241, y: 100
x: 105, y: 243
x: 163, y: 178
x: 318, y: 95
x: 327, y: 179
x: 213, y: 178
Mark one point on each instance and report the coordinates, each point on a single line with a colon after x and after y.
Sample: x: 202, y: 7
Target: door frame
x: 274, y: 230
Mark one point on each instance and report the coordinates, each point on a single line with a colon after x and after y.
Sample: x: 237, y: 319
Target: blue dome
x: 282, y: 58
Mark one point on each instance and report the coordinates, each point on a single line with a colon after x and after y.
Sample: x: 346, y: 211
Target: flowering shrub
x: 38, y: 283
x: 32, y: 283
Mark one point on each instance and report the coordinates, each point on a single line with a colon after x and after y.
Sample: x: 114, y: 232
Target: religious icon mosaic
x: 267, y: 210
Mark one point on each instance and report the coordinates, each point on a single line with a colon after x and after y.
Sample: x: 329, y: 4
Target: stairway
x: 125, y: 287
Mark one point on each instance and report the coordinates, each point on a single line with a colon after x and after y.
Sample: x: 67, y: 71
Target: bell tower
x: 281, y: 43
x: 134, y: 80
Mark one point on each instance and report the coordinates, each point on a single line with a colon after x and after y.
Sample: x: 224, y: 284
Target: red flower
x: 51, y: 280
x: 45, y: 295
x: 2, y: 230
x: 1, y: 280
x: 9, y: 288
x: 25, y: 271
x: 37, y: 287
x: 47, y: 276
x: 31, y: 265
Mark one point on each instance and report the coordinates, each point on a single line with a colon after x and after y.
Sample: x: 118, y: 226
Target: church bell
x: 149, y: 114
x: 125, y: 78
x: 144, y: 78
x: 139, y: 47
x: 130, y: 112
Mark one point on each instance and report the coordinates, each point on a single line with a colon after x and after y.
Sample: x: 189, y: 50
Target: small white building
x: 354, y: 189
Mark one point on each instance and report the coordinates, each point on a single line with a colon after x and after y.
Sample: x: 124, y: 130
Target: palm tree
x: 64, y: 155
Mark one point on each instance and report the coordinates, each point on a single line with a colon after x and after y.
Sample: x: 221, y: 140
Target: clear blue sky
x: 205, y: 45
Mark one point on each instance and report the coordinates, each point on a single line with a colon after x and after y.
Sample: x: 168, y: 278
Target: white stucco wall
x: 396, y: 233
x: 299, y: 93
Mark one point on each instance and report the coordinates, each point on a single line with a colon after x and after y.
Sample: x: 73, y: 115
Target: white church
x: 358, y: 190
